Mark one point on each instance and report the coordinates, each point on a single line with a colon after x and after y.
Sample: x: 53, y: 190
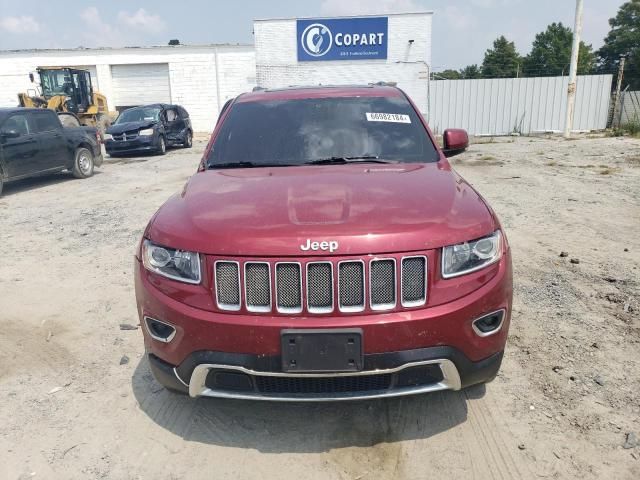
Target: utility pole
x: 620, y: 74
x: 616, y: 97
x: 571, y: 91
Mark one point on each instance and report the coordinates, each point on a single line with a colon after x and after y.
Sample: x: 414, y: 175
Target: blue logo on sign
x: 316, y: 39
x: 342, y: 39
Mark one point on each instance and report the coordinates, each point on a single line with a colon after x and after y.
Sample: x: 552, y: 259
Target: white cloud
x: 22, y: 24
x: 143, y: 20
x: 365, y: 7
x: 96, y: 31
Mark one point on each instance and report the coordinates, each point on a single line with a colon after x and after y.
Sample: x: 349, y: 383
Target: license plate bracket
x: 322, y: 350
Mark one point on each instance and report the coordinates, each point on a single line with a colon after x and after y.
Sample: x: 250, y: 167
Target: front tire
x: 83, y: 164
x: 188, y: 140
x: 162, y: 145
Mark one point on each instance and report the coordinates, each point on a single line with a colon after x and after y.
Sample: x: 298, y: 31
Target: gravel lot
x: 78, y: 401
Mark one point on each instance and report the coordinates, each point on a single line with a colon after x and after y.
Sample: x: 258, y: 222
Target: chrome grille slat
x: 227, y: 283
x: 320, y: 287
x: 257, y: 286
x: 351, y: 285
x: 288, y: 287
x: 413, y: 278
x: 382, y: 283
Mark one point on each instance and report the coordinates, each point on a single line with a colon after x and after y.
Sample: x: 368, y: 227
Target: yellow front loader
x: 69, y: 90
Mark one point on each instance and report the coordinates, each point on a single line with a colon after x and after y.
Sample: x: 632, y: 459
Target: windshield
x: 295, y: 132
x: 56, y: 82
x: 140, y: 114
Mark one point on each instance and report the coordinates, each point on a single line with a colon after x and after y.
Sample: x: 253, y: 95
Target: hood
x: 128, y: 126
x: 365, y: 208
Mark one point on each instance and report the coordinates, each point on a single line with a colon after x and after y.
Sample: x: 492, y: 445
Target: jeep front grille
x: 383, y: 284
x: 321, y: 287
x: 414, y: 292
x: 228, y: 285
x: 288, y: 287
x: 257, y: 286
x: 351, y: 285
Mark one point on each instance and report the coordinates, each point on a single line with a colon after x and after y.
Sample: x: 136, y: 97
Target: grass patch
x: 608, y: 171
x: 632, y: 128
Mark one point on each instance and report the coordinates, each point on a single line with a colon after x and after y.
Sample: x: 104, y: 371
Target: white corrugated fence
x: 502, y: 106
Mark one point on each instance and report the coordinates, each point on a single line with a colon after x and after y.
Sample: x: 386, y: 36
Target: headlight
x: 106, y: 136
x: 175, y: 264
x: 471, y: 256
x: 146, y: 132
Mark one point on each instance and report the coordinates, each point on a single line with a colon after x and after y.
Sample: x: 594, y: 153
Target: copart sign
x: 342, y: 39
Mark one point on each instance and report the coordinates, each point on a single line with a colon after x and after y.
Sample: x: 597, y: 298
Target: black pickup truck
x: 33, y: 142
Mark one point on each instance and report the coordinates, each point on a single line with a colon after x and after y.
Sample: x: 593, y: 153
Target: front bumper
x: 440, y: 340
x: 140, y: 144
x: 391, y: 374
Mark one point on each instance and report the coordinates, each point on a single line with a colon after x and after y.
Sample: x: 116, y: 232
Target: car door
x: 53, y: 149
x: 18, y: 146
x: 173, y: 124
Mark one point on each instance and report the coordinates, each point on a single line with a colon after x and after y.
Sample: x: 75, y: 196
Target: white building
x: 357, y: 50
x: 408, y: 45
x: 201, y: 78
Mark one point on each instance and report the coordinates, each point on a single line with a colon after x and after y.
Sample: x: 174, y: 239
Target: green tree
x: 471, y: 71
x: 502, y: 60
x: 623, y: 39
x: 448, y: 74
x: 551, y: 53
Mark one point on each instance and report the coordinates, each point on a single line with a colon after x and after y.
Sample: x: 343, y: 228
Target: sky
x: 462, y: 29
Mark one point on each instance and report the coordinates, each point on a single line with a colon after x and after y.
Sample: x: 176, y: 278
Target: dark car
x: 325, y: 250
x: 151, y: 128
x: 33, y: 142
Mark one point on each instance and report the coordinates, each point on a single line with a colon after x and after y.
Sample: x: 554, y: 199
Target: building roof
x: 131, y: 48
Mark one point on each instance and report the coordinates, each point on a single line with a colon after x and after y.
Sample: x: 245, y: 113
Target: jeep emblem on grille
x: 331, y: 246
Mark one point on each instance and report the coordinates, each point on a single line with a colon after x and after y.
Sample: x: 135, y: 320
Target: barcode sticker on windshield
x: 388, y: 117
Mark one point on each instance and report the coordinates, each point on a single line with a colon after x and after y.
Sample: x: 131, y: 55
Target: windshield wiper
x: 343, y: 160
x: 247, y: 165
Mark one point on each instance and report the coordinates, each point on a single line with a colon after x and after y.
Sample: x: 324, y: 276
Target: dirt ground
x: 73, y: 407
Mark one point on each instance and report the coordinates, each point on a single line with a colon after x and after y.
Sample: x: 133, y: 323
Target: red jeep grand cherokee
x: 324, y: 250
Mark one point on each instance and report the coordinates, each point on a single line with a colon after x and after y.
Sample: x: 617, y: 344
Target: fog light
x: 488, y: 324
x: 160, y: 331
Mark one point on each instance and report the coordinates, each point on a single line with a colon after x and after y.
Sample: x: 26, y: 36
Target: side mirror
x: 455, y: 141
x: 31, y: 77
x: 9, y: 134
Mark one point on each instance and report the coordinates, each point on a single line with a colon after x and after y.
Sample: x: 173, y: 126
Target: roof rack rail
x: 258, y: 88
x: 384, y: 84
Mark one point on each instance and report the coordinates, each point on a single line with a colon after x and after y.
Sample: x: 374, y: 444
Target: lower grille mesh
x: 294, y: 385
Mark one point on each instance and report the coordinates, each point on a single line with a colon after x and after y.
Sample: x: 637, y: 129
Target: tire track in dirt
x: 486, y: 438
